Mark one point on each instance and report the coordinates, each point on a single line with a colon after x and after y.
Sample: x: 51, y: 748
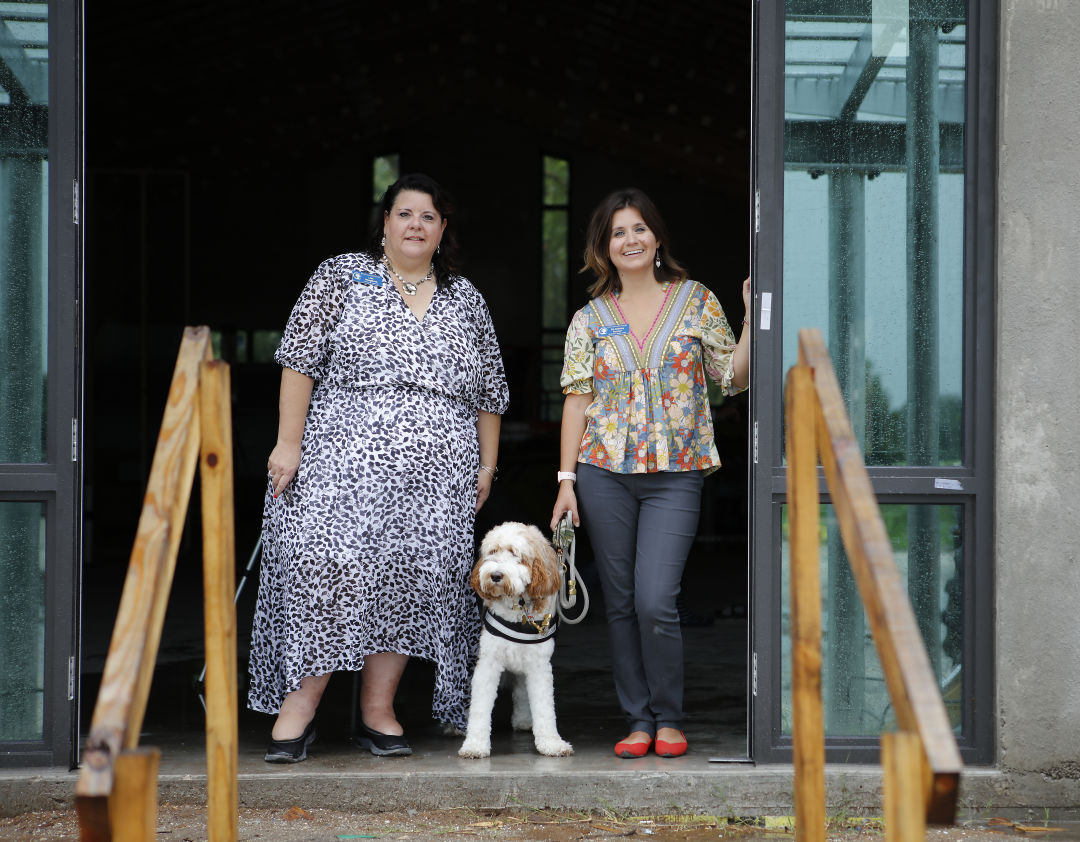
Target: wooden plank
x: 915, y: 695
x: 905, y: 807
x: 219, y: 587
x: 169, y: 488
x: 808, y: 728
x: 129, y: 665
x: 133, y: 802
x: 93, y: 814
x: 127, y: 651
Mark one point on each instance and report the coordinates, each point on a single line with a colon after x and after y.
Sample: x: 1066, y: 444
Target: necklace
x: 406, y: 286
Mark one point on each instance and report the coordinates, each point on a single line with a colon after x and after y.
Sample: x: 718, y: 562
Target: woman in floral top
x: 637, y: 440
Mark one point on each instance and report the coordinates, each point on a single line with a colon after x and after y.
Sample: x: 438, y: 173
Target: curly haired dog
x: 518, y: 577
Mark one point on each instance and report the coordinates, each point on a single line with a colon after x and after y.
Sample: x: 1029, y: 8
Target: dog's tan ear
x: 543, y: 565
x: 474, y: 579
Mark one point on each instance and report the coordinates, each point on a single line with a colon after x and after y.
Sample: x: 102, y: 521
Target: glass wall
x: 22, y: 620
x: 24, y: 115
x: 873, y: 256
x: 874, y: 215
x: 24, y: 176
x: 856, y: 701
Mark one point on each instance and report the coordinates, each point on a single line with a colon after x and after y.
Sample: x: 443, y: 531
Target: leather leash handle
x: 565, y: 545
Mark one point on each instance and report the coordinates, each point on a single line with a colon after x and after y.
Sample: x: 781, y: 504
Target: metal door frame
x: 57, y: 482
x: 910, y: 485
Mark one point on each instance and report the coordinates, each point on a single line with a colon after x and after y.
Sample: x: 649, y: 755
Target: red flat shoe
x: 630, y: 750
x: 666, y: 749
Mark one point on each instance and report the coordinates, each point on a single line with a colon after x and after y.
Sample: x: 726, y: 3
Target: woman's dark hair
x: 598, y: 241
x: 445, y: 259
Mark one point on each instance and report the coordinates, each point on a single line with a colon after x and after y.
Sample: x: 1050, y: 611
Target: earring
x: 657, y: 261
x: 437, y: 248
x: 383, y: 243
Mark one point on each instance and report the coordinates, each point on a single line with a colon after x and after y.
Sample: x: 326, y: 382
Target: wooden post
x: 905, y: 806
x: 808, y: 731
x: 133, y: 801
x: 129, y: 666
x: 127, y: 651
x: 219, y: 585
x: 172, y: 474
x: 913, y: 689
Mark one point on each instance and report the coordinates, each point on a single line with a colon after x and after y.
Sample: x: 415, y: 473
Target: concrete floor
x: 340, y: 777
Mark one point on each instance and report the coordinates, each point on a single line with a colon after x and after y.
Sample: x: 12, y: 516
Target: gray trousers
x: 641, y: 527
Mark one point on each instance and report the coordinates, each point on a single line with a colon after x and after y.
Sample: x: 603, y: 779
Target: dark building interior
x: 230, y: 149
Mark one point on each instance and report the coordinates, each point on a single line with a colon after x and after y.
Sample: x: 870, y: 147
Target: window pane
x: 556, y: 181
x: 385, y: 170
x: 928, y: 548
x: 263, y: 345
x: 24, y: 119
x: 22, y: 620
x: 874, y: 215
x: 554, y: 262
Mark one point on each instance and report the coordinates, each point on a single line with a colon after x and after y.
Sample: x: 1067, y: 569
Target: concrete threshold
x: 337, y: 776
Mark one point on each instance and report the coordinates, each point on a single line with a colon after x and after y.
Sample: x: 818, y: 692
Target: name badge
x: 614, y: 330
x: 366, y: 278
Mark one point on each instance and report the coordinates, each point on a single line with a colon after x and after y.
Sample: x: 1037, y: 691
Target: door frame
x: 57, y: 482
x: 908, y: 485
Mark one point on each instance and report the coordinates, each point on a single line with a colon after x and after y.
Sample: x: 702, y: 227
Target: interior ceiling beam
x: 23, y: 77
x: 26, y: 133
x: 946, y: 11
x: 863, y: 66
x: 862, y: 147
x: 816, y: 96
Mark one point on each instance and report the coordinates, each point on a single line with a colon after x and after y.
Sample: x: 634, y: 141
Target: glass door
x: 874, y: 236
x: 39, y: 528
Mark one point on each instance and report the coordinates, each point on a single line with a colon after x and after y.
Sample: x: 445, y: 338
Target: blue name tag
x: 366, y: 278
x: 614, y: 330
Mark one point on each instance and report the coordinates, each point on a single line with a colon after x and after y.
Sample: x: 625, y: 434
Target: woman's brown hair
x: 598, y: 241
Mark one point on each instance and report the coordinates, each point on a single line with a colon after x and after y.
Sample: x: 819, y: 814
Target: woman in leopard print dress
x: 391, y: 395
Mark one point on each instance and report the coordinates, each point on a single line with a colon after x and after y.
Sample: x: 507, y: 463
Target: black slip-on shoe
x: 382, y: 745
x: 291, y: 751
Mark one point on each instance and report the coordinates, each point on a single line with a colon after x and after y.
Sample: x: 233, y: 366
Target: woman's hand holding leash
x: 565, y: 502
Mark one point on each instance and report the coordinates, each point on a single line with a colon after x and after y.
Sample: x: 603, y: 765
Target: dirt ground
x: 185, y: 823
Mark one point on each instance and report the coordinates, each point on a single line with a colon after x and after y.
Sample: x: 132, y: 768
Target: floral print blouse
x: 650, y: 410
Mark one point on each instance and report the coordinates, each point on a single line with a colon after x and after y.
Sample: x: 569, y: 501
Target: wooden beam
x: 219, y: 609
x: 133, y: 802
x: 129, y: 665
x: 808, y: 725
x: 127, y: 651
x: 913, y: 689
x: 905, y: 806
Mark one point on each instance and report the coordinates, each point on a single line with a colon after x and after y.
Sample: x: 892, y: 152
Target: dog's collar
x: 523, y: 632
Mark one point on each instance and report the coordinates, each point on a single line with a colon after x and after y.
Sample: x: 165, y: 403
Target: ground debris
x: 1023, y: 828
x: 518, y: 824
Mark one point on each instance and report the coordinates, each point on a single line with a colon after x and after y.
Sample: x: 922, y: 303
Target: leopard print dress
x: 370, y: 547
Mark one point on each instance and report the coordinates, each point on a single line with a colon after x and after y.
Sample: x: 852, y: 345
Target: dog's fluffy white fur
x: 515, y: 561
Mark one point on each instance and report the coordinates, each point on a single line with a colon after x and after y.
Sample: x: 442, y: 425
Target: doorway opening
x: 230, y: 150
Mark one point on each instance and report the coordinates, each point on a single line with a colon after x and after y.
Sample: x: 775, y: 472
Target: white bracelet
x: 570, y: 475
x: 491, y: 469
